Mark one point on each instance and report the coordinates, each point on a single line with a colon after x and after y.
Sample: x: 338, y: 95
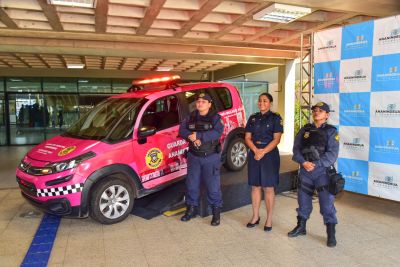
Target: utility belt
x: 201, y: 153
x: 334, y: 187
x: 205, y: 149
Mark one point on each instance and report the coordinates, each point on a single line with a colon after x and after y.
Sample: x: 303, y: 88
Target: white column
x: 286, y: 144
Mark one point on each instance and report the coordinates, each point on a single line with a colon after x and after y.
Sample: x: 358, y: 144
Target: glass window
x: 124, y: 128
x: 249, y: 92
x: 94, y: 85
x: 22, y: 85
x: 222, y: 98
x: 2, y: 121
x: 162, y: 113
x: 1, y: 85
x: 60, y: 85
x: 61, y: 112
x: 27, y: 118
x: 121, y: 86
x: 101, y: 120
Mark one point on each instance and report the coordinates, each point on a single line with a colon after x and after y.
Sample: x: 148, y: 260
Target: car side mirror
x: 146, y: 131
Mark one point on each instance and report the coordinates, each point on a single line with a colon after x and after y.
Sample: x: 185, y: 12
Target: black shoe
x: 330, y: 230
x: 216, y: 211
x: 251, y: 225
x: 267, y: 228
x: 300, y: 229
x: 191, y: 212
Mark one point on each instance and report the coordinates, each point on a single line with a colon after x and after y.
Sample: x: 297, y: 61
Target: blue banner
x: 354, y: 109
x: 386, y: 73
x: 355, y: 172
x: 326, y: 77
x: 357, y: 40
x: 385, y: 145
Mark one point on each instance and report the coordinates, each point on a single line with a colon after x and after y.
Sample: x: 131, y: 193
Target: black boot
x: 300, y: 229
x: 330, y: 230
x: 216, y: 211
x: 191, y: 212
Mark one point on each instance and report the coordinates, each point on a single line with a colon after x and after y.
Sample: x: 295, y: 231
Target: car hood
x: 61, y: 148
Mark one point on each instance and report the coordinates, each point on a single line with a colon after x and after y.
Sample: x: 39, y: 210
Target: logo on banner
x: 356, y: 111
x: 359, y: 42
x: 391, y: 74
x: 328, y: 80
x: 355, y: 175
x: 329, y: 45
x: 390, y: 111
x: 388, y: 182
x: 394, y: 37
x: 357, y: 76
x: 390, y: 146
x: 356, y: 144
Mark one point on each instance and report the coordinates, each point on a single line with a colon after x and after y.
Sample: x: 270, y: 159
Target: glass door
x: 3, y: 133
x: 27, y: 118
x: 62, y: 110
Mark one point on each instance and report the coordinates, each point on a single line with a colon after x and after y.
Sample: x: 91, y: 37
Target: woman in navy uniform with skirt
x: 263, y: 134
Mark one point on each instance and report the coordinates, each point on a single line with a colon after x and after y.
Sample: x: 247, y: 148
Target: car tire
x: 236, y: 155
x: 111, y: 201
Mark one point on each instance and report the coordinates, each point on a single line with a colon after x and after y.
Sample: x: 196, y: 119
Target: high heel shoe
x: 251, y: 225
x: 267, y: 228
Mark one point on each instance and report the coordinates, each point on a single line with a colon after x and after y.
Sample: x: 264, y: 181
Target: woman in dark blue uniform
x: 263, y: 134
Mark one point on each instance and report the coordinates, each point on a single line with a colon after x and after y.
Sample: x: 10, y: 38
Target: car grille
x: 27, y: 187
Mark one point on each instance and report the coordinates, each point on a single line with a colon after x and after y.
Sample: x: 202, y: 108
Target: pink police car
x: 125, y: 148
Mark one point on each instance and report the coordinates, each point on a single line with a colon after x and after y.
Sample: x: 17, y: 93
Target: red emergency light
x: 158, y: 80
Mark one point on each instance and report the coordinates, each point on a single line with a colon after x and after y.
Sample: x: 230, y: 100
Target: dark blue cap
x: 321, y: 105
x: 204, y: 96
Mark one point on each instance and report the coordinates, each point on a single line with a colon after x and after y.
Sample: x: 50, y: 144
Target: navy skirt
x: 264, y: 172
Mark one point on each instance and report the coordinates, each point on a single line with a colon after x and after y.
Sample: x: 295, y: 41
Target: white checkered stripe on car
x: 59, y: 191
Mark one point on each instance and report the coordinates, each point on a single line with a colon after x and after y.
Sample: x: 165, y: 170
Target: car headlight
x: 55, y: 167
x: 67, y: 164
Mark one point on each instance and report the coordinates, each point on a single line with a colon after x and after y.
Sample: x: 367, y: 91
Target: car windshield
x: 98, y: 123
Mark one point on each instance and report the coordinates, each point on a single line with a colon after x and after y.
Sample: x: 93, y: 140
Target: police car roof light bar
x: 158, y: 80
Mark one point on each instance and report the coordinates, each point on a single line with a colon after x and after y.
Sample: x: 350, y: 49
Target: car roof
x: 181, y: 88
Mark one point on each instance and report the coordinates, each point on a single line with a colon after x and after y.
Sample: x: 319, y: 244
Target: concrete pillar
x: 286, y: 103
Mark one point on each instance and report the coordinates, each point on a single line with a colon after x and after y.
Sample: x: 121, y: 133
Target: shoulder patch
x: 337, y: 137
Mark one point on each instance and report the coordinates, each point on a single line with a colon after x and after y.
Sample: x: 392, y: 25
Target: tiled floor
x: 368, y: 234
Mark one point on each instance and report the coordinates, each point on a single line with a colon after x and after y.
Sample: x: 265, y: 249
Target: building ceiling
x: 187, y: 35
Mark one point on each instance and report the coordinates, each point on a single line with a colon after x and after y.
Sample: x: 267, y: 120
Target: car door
x: 160, y: 155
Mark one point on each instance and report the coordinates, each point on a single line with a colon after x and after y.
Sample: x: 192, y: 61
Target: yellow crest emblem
x: 66, y: 151
x: 319, y: 104
x: 306, y: 134
x: 337, y: 137
x: 202, y: 95
x: 282, y: 122
x: 154, y: 158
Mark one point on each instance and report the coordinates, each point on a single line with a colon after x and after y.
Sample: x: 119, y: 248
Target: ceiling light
x: 74, y: 3
x: 75, y: 66
x: 164, y: 68
x: 281, y: 13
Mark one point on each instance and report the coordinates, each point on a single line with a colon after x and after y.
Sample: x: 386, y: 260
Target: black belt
x: 201, y: 153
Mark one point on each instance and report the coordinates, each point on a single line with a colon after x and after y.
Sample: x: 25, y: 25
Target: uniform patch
x: 66, y: 151
x: 337, y: 137
x: 306, y: 134
x: 282, y: 122
x: 154, y: 157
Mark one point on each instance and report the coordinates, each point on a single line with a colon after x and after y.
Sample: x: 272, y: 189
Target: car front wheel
x: 111, y: 201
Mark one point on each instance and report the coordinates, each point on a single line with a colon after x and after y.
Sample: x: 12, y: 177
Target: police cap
x: 321, y: 105
x: 204, y: 96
